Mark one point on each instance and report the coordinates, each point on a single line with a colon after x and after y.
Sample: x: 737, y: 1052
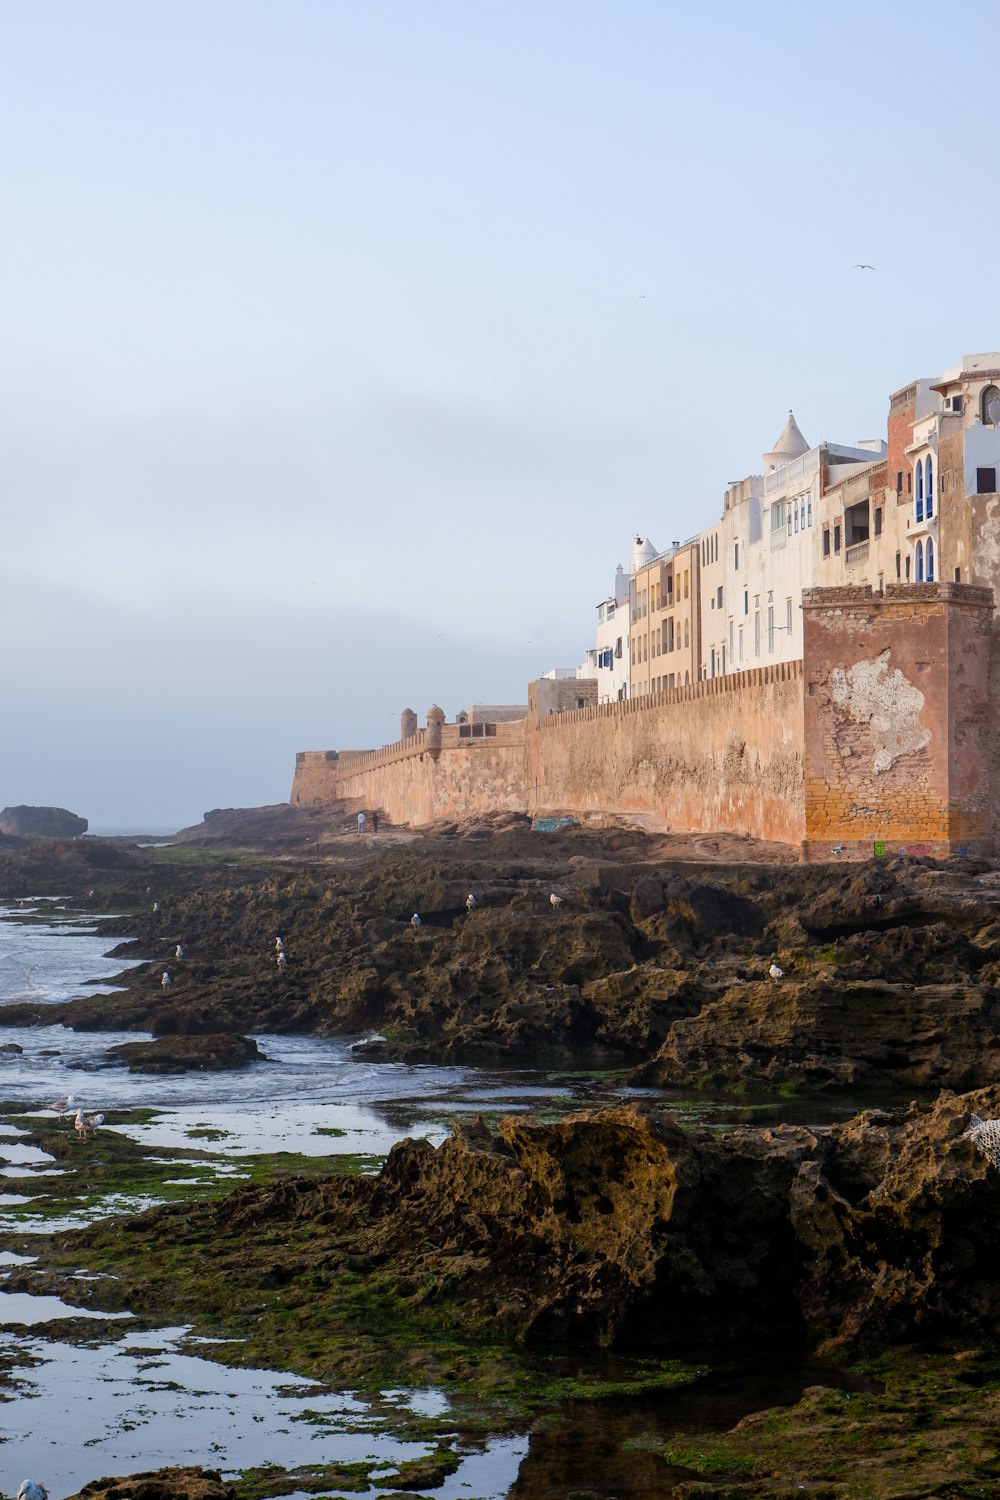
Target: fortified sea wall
x: 723, y: 754
x: 881, y: 739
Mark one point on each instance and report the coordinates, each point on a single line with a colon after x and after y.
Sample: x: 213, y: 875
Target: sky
x: 346, y: 347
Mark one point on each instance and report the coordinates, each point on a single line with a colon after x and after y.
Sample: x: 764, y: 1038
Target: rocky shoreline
x: 610, y: 1231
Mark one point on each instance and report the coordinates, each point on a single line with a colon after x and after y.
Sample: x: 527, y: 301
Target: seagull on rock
x: 165, y: 980
x: 179, y: 951
x: 62, y: 1106
x: 555, y: 900
x: 282, y: 960
x: 32, y: 1490
x: 776, y: 972
x: 470, y: 901
x: 85, y: 1124
x: 415, y: 919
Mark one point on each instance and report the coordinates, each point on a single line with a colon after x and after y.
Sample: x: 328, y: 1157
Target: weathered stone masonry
x: 880, y: 737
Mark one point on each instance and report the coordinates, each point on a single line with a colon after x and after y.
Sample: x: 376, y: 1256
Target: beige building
x: 928, y: 512
x: 663, y: 608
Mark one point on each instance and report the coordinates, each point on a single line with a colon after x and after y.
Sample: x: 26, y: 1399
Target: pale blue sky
x: 346, y: 346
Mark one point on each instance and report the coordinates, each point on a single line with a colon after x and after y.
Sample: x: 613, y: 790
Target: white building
x: 766, y: 550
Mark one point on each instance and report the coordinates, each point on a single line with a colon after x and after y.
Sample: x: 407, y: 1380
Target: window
x: 920, y: 490
x: 897, y: 564
x: 930, y: 561
x: 899, y: 482
x: 788, y: 616
x: 920, y: 562
x: 809, y: 510
x: 618, y: 647
x: 746, y: 602
x: 718, y: 597
x: 958, y: 575
x: 687, y: 638
x: 736, y: 556
x: 740, y: 636
x: 826, y: 541
x: 986, y: 481
x: 907, y: 567
x: 930, y: 487
x: 685, y: 583
x: 878, y: 520
x: 836, y: 536
x: 989, y: 406
x: 730, y: 640
x: 789, y: 521
x: 958, y: 404
x: 770, y: 627
x: 756, y: 632
x: 909, y: 481
x: 796, y: 518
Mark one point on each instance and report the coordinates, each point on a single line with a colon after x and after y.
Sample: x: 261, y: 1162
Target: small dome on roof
x: 791, y: 444
x: 643, y: 551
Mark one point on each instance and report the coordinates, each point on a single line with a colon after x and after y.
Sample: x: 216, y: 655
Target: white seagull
x: 470, y: 901
x: 86, y: 1123
x: 62, y: 1106
x: 776, y: 972
x: 278, y: 945
x: 156, y: 906
x: 282, y: 960
x: 165, y: 980
x: 415, y: 919
x: 862, y: 265
x: 32, y: 1490
x: 179, y: 951
x: 555, y: 900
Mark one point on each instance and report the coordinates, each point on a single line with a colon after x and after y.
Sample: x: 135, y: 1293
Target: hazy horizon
x: 347, y: 347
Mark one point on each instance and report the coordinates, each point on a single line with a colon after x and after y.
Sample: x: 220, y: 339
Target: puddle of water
x: 24, y: 1308
x: 145, y: 1402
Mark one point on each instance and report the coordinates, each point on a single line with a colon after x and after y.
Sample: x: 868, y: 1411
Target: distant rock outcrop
x: 41, y: 823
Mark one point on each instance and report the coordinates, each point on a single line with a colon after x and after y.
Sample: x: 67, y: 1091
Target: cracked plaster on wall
x: 885, y: 700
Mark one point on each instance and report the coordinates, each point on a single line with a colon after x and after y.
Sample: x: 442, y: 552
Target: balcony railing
x: 856, y: 553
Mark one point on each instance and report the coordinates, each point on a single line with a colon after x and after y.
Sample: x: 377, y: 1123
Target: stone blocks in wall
x: 896, y: 720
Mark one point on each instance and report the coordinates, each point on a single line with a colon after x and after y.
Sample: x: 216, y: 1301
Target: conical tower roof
x: 791, y: 444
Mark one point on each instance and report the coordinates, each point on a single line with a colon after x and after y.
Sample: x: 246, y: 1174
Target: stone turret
x: 435, y: 724
x: 407, y: 724
x: 791, y: 444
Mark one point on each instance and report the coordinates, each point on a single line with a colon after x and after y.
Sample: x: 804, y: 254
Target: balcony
x: 856, y: 554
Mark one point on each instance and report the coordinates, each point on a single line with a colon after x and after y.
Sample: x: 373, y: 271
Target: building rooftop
x: 791, y: 444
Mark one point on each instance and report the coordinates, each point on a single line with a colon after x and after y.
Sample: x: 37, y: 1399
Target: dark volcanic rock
x: 215, y: 1052
x: 160, y: 1484
x: 616, y: 1228
x: 41, y: 822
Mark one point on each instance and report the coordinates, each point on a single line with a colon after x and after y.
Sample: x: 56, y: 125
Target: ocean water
x: 122, y: 1402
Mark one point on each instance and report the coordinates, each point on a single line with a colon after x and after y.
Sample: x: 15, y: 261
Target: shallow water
x: 122, y: 1401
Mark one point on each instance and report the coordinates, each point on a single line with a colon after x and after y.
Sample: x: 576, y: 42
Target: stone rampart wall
x: 462, y: 779
x: 896, y: 720
x: 721, y: 755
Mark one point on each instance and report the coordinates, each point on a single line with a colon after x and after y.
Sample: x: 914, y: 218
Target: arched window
x: 920, y: 490
x: 687, y: 638
x: 989, y: 406
x: 930, y: 489
x: 920, y: 562
x: 930, y: 561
